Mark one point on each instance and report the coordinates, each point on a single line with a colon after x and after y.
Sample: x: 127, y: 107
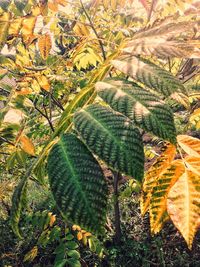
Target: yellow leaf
x: 27, y: 145
x: 81, y: 29
x: 183, y: 205
x: 4, y: 26
x: 28, y: 28
x: 43, y: 82
x: 161, y: 164
x: 195, y: 118
x: 193, y: 164
x: 182, y: 99
x: 190, y: 145
x: 87, y: 234
x: 44, y: 44
x: 30, y: 256
x: 158, y: 202
x: 76, y: 227
x: 35, y: 86
x: 15, y: 27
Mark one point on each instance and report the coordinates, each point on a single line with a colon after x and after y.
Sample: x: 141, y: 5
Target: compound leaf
x: 77, y: 183
x: 113, y: 138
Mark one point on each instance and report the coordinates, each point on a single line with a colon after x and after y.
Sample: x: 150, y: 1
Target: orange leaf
x: 24, y: 91
x: 27, y: 145
x: 44, y: 44
x: 52, y: 220
x: 79, y: 235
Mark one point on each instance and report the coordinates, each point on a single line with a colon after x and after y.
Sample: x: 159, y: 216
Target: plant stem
x: 117, y: 237
x: 94, y: 30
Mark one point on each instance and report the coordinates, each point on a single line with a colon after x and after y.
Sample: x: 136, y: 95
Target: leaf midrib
x: 74, y: 174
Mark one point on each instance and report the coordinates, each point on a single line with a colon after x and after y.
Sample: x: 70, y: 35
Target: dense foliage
x: 100, y: 109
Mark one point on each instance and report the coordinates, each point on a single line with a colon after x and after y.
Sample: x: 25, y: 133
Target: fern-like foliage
x: 140, y: 105
x: 162, y: 48
x: 77, y: 183
x: 113, y: 138
x: 149, y: 74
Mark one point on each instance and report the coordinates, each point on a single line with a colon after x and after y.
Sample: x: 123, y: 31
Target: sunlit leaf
x: 44, y: 44
x: 158, y: 202
x: 183, y: 205
x: 154, y: 172
x: 189, y: 144
x: 43, y: 82
x: 27, y: 145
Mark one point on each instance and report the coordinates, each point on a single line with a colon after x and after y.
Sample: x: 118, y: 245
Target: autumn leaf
x: 4, y: 26
x: 43, y: 82
x: 30, y: 256
x: 81, y: 29
x: 27, y: 29
x: 44, y: 44
x: 189, y: 144
x: 154, y: 172
x: 24, y: 91
x: 193, y: 164
x: 158, y: 202
x: 183, y: 205
x: 27, y: 145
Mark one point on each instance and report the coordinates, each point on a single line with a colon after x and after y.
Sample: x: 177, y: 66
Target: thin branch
x: 94, y: 30
x: 6, y: 141
x: 153, y: 3
x: 44, y: 115
x: 118, y: 233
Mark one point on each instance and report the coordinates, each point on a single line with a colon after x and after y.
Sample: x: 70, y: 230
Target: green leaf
x: 71, y: 245
x: 113, y: 138
x: 69, y: 237
x: 77, y: 183
x: 60, y: 263
x: 74, y: 263
x: 140, y: 105
x: 73, y: 254
x: 150, y: 75
x: 18, y: 201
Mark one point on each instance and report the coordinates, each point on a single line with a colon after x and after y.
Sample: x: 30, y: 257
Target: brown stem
x: 118, y: 234
x: 45, y: 116
x: 94, y: 30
